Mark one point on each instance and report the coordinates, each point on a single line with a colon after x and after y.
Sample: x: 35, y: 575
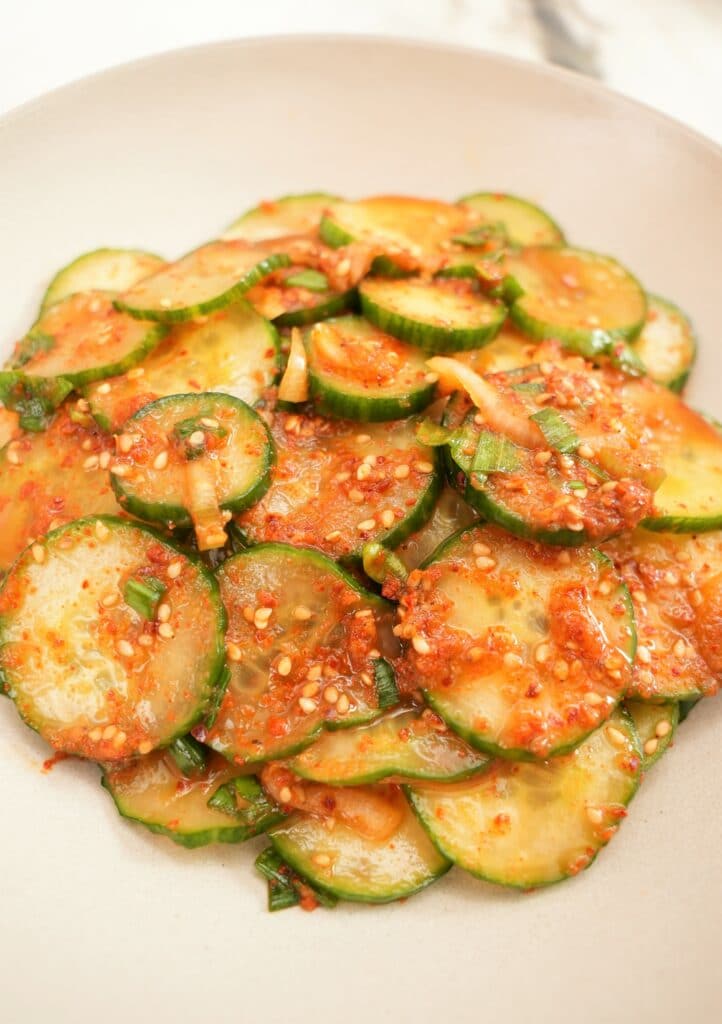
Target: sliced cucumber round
x: 404, y: 743
x: 450, y: 514
x: 184, y: 457
x: 112, y: 270
x: 675, y: 581
x: 443, y: 315
x: 296, y: 296
x: 338, y: 484
x: 510, y: 350
x: 656, y: 725
x: 302, y: 638
x: 358, y: 372
x: 522, y: 222
x: 347, y: 864
x: 201, y: 282
x: 93, y: 676
x: 49, y: 478
x: 84, y: 338
x: 235, y: 351
x: 588, y: 302
x: 277, y: 218
x: 667, y: 345
x: 531, y: 825
x: 152, y: 792
x: 522, y: 650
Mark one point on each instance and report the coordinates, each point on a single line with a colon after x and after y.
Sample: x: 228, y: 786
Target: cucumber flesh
x: 522, y: 650
x: 235, y: 351
x: 675, y: 583
x: 277, y: 218
x: 153, y: 792
x: 49, y: 478
x: 70, y: 647
x: 443, y: 315
x: 531, y: 825
x: 510, y: 350
x: 83, y: 338
x: 111, y: 270
x: 203, y: 281
x: 587, y: 301
x: 293, y: 612
x: 351, y: 866
x: 667, y: 345
x: 358, y: 372
x: 404, y: 743
x: 450, y: 513
x: 321, y: 497
x: 219, y: 439
x: 522, y: 221
x: 655, y: 725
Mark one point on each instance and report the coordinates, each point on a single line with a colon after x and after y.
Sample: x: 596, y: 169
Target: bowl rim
x: 542, y: 69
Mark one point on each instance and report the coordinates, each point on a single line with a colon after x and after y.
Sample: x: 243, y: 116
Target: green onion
x: 433, y: 434
x: 576, y: 485
x: 189, y: 755
x: 143, y: 595
x: 312, y: 280
x: 495, y: 454
x: 557, y: 432
x: 32, y: 345
x: 387, y: 692
x: 462, y: 446
x: 529, y: 387
x: 224, y: 679
x: 245, y: 800
x: 284, y: 885
x: 380, y: 564
x: 35, y: 399
x: 508, y: 290
x: 481, y: 234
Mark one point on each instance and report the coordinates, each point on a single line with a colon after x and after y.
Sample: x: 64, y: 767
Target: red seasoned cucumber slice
x: 277, y: 218
x: 522, y: 650
x: 358, y: 372
x: 667, y: 345
x: 450, y: 514
x: 296, y: 296
x: 520, y: 221
x: 235, y: 351
x: 337, y: 485
x: 49, y: 478
x: 302, y: 639
x: 93, y: 676
x: 531, y: 825
x: 201, y: 282
x: 111, y: 270
x: 656, y: 725
x: 84, y: 338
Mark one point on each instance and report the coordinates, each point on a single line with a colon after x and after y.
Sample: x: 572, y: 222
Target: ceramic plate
x: 100, y: 921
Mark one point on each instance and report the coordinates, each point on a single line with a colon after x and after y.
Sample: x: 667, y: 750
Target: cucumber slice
x: 522, y: 650
x: 47, y: 479
x: 351, y: 866
x: 201, y: 282
x: 302, y: 638
x: 443, y: 315
x: 404, y: 743
x: 296, y: 296
x: 588, y: 302
x: 530, y: 825
x: 359, y: 373
x: 450, y: 514
x: 105, y: 270
x: 522, y: 221
x: 234, y: 351
x: 676, y: 586
x: 71, y: 650
x: 177, y: 444
x: 322, y: 496
x: 656, y: 725
x: 404, y: 228
x: 510, y: 350
x: 277, y: 218
x: 84, y: 338
x: 153, y: 792
x: 667, y: 345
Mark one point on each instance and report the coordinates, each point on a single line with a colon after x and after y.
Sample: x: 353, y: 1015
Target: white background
x: 664, y: 52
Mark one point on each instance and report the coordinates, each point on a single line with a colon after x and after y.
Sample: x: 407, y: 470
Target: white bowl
x: 101, y: 921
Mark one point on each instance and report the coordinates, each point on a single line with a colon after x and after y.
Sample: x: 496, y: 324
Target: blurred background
x: 667, y: 53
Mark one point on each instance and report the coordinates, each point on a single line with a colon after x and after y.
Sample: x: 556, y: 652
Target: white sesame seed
x: 124, y: 442
x: 101, y: 530
x: 284, y: 666
x: 125, y: 648
x: 662, y: 729
x: 163, y: 613
x: 174, y: 570
x: 481, y: 549
x: 109, y: 732
x: 322, y: 859
x: 104, y: 460
x: 92, y: 462
x: 161, y: 460
x: 561, y: 669
x: 605, y: 587
x: 314, y: 672
x: 285, y: 795
x: 364, y: 471
x: 512, y: 660
x: 644, y: 655
x: 421, y: 645
x: 13, y: 456
x: 671, y: 579
x: 109, y: 600
x: 145, y: 747
x: 210, y: 422
x: 233, y: 651
x: 166, y: 631
x: 542, y: 654
x: 330, y: 695
x: 261, y: 617
x: 82, y: 405
x: 104, y: 388
x: 302, y: 613
x: 541, y: 458
x: 401, y: 472
x: 343, y: 704
x: 616, y: 736
x: 484, y: 563
x: 119, y: 739
x: 145, y: 641
x: 593, y: 699
x: 311, y: 689
x: 135, y: 373
x: 363, y: 438
x: 332, y: 536
x: 87, y: 444
x: 423, y: 467
x: 307, y: 705
x: 650, y: 747
x: 680, y: 648
x: 586, y: 451
x: 38, y: 553
x: 120, y: 470
x: 387, y: 518
x: 365, y: 525
x: 197, y: 439
x: 595, y: 815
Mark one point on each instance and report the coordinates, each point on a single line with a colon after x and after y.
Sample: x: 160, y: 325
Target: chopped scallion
x: 143, y: 595
x: 312, y: 280
x: 495, y: 454
x: 387, y: 692
x: 557, y: 432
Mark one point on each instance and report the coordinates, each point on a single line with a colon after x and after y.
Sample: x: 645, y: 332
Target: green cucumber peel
x: 245, y: 800
x: 311, y: 280
x: 387, y: 692
x: 382, y: 565
x: 35, y: 399
x: 188, y: 755
x: 284, y: 885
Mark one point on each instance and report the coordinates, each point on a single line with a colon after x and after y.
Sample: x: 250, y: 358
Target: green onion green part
x: 143, y: 595
x: 557, y: 432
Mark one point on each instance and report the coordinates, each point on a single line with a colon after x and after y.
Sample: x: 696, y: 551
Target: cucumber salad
x: 378, y: 528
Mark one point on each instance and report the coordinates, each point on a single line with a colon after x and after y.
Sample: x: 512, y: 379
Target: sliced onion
x: 209, y: 522
x: 294, y: 384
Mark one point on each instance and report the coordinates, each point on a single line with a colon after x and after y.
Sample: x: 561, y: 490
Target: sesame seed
x: 644, y: 655
x: 561, y: 669
x: 101, y: 530
x: 616, y: 736
x: 366, y: 678
x: 285, y: 795
x: 145, y: 641
x: 423, y: 467
x: 120, y: 470
x: 363, y: 472
x: 475, y: 654
x: 95, y: 735
x: 174, y: 570
x: 369, y: 460
x: 363, y: 438
x: 165, y: 302
x: 696, y: 598
x: 542, y: 654
x: 330, y: 695
x: 355, y: 495
x: 650, y: 747
x: 104, y: 388
x: 261, y: 617
x: 341, y: 478
x: 605, y: 587
x: 161, y: 460
x: 284, y: 666
x: 104, y: 460
x: 481, y: 549
x: 609, y: 485
x: 680, y: 649
x: 82, y: 405
x: 671, y: 579
x: 109, y: 732
x: 343, y: 266
x: 233, y: 651
x: 401, y: 472
x: 541, y: 458
x: 343, y: 704
x: 387, y: 518
x: 210, y: 422
x: 321, y: 859
x: 92, y: 462
x: 311, y: 689
x: 485, y: 563
x: 119, y: 739
x: 163, y: 613
x: 109, y: 600
x: 595, y: 815
x: 307, y: 705
x: 302, y: 613
x: 431, y: 378
x: 364, y: 613
x: 365, y: 525
x: 333, y: 535
x: 38, y: 553
x: 135, y: 373
x: 145, y: 747
x: 512, y: 660
x: 662, y: 729
x: 124, y: 442
x: 314, y: 672
x: 421, y: 645
x: 13, y: 456
x: 593, y: 699
x: 586, y: 451
x: 87, y: 444
x: 197, y: 439
x: 125, y: 648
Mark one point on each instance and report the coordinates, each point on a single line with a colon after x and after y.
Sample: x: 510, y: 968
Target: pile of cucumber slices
x: 375, y: 527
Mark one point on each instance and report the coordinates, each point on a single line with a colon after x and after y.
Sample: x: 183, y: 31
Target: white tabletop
x: 663, y: 52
